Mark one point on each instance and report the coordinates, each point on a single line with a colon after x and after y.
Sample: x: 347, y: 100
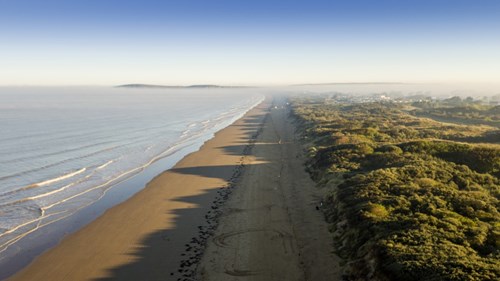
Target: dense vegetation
x: 459, y: 110
x: 405, y: 201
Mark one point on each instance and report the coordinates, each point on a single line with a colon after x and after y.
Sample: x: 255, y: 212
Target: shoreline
x: 36, y: 243
x: 56, y: 253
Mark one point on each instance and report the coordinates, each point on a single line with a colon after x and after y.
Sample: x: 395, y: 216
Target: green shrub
x: 408, y: 208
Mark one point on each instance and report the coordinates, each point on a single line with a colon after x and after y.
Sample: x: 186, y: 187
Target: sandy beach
x: 248, y: 181
x: 269, y: 228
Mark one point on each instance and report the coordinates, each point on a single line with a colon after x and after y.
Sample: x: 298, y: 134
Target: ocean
x: 62, y: 149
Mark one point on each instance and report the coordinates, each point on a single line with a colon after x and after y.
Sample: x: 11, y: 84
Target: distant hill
x: 202, y: 86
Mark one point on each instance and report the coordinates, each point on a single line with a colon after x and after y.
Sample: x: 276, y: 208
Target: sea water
x: 62, y: 149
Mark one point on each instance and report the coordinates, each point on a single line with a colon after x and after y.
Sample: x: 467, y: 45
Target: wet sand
x: 248, y: 181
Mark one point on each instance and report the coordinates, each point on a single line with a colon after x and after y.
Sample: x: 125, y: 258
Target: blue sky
x: 91, y: 42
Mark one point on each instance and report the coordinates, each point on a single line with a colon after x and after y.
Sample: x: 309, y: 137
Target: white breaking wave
x: 105, y: 164
x: 63, y: 177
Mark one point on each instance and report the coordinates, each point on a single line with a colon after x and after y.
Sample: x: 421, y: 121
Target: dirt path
x: 270, y: 228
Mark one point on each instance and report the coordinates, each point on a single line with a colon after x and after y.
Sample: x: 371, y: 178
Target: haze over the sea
x: 248, y: 42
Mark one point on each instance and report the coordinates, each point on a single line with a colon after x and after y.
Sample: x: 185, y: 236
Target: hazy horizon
x: 251, y: 43
x: 477, y: 91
